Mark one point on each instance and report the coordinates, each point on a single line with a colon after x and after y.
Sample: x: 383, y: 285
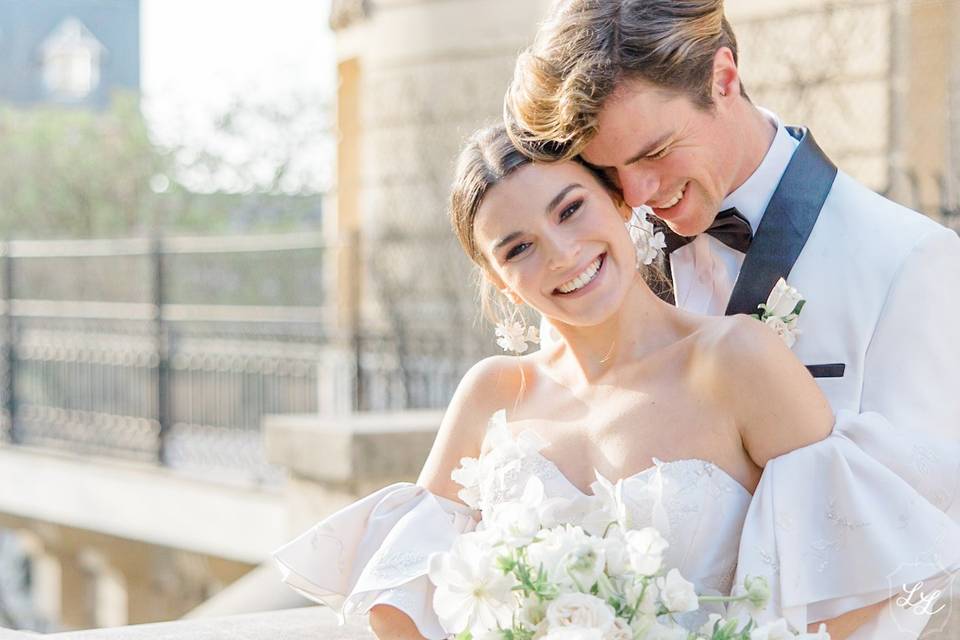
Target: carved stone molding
x: 344, y: 13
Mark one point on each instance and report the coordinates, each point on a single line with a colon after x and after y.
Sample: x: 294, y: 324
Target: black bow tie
x: 729, y: 227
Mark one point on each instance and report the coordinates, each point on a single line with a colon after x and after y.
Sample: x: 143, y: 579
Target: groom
x: 649, y: 91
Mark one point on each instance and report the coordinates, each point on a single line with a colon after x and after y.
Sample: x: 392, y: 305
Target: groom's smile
x: 666, y: 152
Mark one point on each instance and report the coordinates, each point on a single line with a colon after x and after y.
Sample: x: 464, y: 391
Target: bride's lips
x: 590, y: 285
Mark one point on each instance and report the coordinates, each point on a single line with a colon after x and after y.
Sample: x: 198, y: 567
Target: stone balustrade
x: 309, y: 623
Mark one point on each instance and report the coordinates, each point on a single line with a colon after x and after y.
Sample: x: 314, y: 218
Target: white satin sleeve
x: 375, y: 551
x: 845, y: 522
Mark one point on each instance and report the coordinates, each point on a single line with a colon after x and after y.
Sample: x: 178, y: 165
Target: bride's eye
x: 517, y: 250
x: 569, y: 211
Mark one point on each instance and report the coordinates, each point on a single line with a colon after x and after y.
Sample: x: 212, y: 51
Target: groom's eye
x: 659, y: 154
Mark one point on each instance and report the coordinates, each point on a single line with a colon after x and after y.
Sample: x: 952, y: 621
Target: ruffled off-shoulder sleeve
x: 845, y: 522
x: 375, y: 551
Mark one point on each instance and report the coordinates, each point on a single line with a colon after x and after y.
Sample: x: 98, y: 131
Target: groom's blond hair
x: 587, y: 47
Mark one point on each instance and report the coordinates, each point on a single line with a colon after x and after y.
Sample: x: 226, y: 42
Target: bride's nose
x: 564, y: 251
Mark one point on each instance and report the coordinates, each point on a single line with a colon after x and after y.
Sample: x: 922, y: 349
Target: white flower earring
x: 513, y: 333
x: 649, y: 242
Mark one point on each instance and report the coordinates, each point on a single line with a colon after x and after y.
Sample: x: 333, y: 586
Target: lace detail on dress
x: 390, y: 566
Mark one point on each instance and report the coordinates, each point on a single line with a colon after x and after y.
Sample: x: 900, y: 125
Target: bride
x: 750, y: 467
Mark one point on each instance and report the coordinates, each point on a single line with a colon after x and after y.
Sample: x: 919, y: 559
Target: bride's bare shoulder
x: 492, y: 384
x: 768, y: 391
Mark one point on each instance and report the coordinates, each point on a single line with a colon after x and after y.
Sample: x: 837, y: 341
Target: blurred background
x: 229, y: 298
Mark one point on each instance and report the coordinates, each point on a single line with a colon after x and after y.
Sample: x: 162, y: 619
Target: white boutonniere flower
x: 782, y: 311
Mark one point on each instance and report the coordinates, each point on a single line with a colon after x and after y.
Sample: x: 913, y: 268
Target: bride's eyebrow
x: 557, y: 199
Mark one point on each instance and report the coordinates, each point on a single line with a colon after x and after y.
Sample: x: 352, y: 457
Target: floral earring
x: 649, y: 242
x: 512, y: 332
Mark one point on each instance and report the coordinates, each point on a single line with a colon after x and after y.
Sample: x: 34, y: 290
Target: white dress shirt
x: 705, y: 270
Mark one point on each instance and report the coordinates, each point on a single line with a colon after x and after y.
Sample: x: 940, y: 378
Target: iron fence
x: 168, y: 350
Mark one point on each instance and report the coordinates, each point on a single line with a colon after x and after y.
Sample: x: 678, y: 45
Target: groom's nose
x: 638, y: 185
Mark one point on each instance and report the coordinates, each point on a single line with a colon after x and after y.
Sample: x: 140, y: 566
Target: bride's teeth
x: 581, y: 280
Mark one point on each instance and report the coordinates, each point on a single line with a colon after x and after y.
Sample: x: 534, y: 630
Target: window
x: 71, y: 61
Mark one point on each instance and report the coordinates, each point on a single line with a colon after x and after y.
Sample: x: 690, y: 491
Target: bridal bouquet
x: 540, y: 568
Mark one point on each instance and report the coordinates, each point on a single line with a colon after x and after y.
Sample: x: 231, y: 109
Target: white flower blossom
x: 514, y: 336
x: 517, y: 522
x: 707, y: 628
x: 783, y: 300
x: 646, y: 239
x: 646, y: 547
x: 471, y: 592
x: 776, y: 630
x: 787, y: 330
x: 677, y: 593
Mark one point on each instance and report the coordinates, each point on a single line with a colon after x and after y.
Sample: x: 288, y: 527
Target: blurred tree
x: 77, y: 172
x: 82, y: 173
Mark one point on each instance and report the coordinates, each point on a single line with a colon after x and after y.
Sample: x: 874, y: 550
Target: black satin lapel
x: 785, y: 226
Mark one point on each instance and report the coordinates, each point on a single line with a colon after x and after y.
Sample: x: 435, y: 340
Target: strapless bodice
x: 697, y: 506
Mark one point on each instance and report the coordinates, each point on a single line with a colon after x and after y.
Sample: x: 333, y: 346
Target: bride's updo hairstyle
x: 586, y: 48
x: 488, y: 158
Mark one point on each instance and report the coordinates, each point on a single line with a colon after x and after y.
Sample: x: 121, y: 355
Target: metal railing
x: 168, y: 350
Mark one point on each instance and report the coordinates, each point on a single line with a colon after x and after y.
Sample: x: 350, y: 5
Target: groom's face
x: 667, y: 153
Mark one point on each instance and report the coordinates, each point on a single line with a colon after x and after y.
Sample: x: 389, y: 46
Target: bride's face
x: 552, y: 235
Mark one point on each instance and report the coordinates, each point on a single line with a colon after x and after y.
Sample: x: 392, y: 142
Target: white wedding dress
x: 833, y: 526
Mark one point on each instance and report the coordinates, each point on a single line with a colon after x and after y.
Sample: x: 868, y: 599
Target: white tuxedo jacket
x: 882, y: 284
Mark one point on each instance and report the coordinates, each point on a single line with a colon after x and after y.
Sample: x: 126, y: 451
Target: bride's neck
x: 643, y: 325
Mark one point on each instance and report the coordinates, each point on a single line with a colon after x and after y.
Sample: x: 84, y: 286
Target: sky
x: 198, y: 55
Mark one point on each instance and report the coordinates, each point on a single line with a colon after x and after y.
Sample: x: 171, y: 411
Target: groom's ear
x: 726, y: 76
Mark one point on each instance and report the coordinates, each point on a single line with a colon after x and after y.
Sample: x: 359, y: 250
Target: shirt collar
x: 752, y: 197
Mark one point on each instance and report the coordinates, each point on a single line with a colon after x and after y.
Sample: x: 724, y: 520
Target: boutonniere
x: 782, y: 311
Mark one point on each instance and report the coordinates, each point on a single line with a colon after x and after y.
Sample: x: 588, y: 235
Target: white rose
x: 677, y: 593
x: 579, y: 610
x: 646, y: 547
x: 776, y: 630
x: 786, y: 330
x: 574, y: 633
x: 783, y: 299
